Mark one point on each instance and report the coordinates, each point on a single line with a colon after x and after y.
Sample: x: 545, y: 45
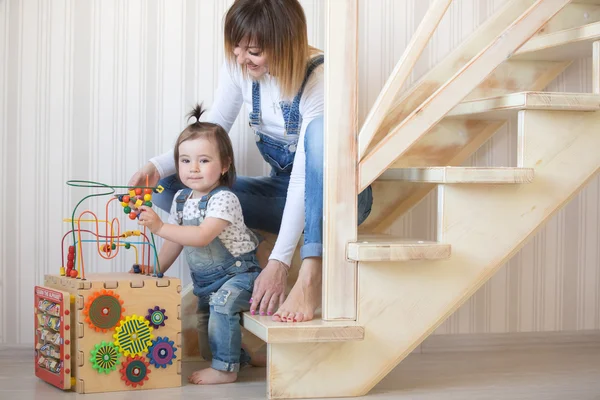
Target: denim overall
x: 223, y: 284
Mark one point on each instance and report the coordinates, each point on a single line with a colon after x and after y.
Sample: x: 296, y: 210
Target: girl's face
x: 200, y: 166
x: 249, y: 54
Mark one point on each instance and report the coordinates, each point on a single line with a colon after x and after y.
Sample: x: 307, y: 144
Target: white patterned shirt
x: 237, y: 237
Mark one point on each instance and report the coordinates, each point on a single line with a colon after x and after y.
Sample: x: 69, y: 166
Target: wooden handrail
x: 400, y: 74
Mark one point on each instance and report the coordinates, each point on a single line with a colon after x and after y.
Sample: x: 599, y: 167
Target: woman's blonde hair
x: 278, y: 27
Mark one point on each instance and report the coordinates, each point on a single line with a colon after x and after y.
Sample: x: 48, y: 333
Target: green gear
x: 105, y: 357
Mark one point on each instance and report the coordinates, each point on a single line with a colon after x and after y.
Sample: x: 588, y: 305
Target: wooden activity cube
x: 109, y: 332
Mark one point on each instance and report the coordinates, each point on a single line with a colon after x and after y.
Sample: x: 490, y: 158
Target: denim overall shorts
x: 212, y: 265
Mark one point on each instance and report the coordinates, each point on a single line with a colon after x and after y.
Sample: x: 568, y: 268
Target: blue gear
x: 162, y: 352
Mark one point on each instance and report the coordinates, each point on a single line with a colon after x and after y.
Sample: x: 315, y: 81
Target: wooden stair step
x: 380, y: 247
x: 568, y: 44
x: 459, y: 175
x: 502, y: 107
x: 316, y: 330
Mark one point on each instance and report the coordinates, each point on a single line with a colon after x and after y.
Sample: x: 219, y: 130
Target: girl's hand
x: 150, y: 219
x: 269, y: 289
x: 139, y: 178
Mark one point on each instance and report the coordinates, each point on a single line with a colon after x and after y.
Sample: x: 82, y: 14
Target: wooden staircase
x: 384, y: 295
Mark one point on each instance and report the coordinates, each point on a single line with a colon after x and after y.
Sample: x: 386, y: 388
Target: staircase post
x: 340, y: 170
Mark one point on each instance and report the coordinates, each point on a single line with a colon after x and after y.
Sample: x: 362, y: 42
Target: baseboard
x: 508, y: 341
x: 467, y: 342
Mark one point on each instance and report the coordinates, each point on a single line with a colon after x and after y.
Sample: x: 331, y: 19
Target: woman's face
x: 253, y: 57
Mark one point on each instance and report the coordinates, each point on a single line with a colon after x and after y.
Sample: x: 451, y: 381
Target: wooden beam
x: 502, y: 107
x: 572, y: 16
x: 457, y: 88
x: 569, y: 44
x: 390, y: 248
x: 400, y: 73
x: 340, y: 172
x: 596, y: 68
x: 460, y: 175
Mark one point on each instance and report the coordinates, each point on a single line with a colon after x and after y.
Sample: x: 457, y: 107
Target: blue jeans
x: 219, y: 328
x: 263, y: 198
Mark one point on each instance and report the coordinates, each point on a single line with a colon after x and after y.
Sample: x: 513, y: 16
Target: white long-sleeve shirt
x: 233, y: 90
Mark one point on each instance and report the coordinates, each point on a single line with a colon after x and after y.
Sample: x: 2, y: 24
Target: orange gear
x: 103, y: 310
x: 134, y: 371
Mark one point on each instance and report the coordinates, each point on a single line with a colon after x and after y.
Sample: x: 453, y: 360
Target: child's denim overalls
x: 223, y: 284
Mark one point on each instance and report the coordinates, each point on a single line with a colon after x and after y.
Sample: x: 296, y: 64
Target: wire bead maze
x: 109, y: 243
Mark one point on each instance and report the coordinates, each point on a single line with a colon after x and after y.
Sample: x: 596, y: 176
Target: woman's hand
x: 150, y: 219
x: 269, y: 289
x: 139, y: 178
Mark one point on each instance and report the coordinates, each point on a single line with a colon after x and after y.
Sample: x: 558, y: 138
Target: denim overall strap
x: 291, y: 110
x: 213, y: 265
x: 180, y: 202
x: 203, y: 203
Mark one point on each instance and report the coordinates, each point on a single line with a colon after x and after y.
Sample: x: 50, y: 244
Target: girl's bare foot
x: 305, y: 296
x: 210, y: 376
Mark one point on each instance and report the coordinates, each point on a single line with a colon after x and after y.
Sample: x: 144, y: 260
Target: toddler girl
x: 206, y: 222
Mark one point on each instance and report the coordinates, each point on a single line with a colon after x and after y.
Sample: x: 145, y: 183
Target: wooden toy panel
x: 109, y: 304
x: 53, y: 326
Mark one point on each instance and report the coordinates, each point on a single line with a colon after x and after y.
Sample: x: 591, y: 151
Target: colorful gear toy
x: 135, y: 371
x: 103, y: 310
x: 133, y: 335
x: 105, y: 357
x: 157, y: 317
x: 162, y: 352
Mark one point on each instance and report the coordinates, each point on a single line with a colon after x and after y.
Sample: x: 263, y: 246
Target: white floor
x: 568, y: 373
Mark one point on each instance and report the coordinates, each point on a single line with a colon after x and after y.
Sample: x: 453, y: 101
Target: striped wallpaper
x: 90, y: 89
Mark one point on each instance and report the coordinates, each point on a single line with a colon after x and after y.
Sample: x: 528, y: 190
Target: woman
x: 273, y: 71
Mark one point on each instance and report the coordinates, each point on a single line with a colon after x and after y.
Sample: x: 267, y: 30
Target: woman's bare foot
x: 210, y: 376
x: 305, y: 296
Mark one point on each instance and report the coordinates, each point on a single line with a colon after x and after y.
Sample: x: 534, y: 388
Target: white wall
x: 90, y: 89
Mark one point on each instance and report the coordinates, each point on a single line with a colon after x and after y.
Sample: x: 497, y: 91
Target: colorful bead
x: 127, y: 245
x: 127, y: 210
x: 147, y: 197
x: 138, y: 191
x: 132, y: 215
x: 139, y: 203
x: 148, y: 204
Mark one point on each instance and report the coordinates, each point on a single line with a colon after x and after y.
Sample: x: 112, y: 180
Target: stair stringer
x: 401, y: 304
